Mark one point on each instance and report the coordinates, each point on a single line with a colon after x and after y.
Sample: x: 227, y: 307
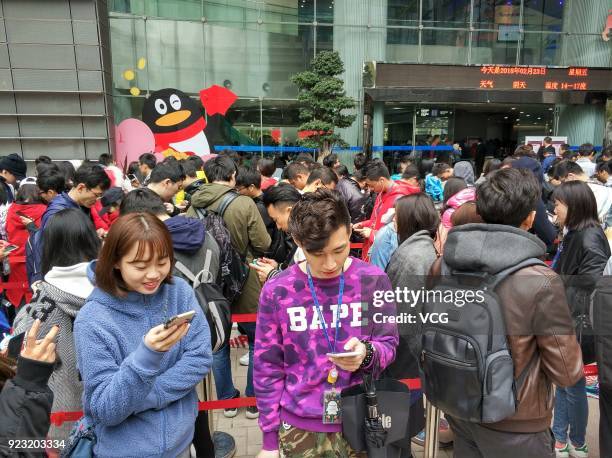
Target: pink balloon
x: 132, y: 138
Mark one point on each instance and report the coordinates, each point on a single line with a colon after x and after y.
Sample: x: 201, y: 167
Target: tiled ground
x: 248, y: 436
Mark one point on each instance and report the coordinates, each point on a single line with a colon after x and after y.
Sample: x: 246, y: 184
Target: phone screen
x: 9, y: 248
x: 178, y: 320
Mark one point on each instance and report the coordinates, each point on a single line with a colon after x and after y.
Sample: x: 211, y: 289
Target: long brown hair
x: 143, y: 229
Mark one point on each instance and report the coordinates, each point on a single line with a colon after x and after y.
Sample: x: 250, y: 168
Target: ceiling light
x: 505, y: 117
x: 550, y: 109
x: 513, y: 108
x: 528, y: 115
x: 521, y: 112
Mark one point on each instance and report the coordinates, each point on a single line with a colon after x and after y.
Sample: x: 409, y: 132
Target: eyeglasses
x: 98, y: 194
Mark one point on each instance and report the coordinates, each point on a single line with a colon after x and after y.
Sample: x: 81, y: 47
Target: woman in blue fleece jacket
x: 138, y: 377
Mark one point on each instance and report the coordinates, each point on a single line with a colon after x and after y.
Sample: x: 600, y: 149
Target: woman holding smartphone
x: 139, y: 375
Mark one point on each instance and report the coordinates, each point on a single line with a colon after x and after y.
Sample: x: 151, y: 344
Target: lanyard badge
x: 332, y: 412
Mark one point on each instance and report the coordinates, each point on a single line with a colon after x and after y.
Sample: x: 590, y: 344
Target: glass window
x: 243, y: 123
x: 325, y: 10
x: 325, y: 38
x: 488, y: 47
x: 402, y: 45
x: 544, y: 15
x: 585, y: 50
x: 446, y: 13
x: 541, y: 48
x: 403, y: 12
x: 127, y: 106
x: 444, y: 46
x: 175, y: 57
x: 280, y: 120
x: 129, y: 55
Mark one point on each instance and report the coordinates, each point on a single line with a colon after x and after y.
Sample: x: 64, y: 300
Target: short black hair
x: 508, y: 196
x: 68, y: 170
x: 581, y: 204
x: 196, y: 161
x: 105, y: 159
x: 606, y: 152
x: 304, y: 157
x: 148, y: 159
x: 411, y: 171
x: 359, y: 160
x: 314, y: 218
x: 547, y: 140
x: 281, y: 194
x: 325, y: 174
x: 247, y: 177
x: 170, y: 170
x: 564, y: 146
x: 69, y: 238
x: 439, y: 168
x: 266, y: 167
x: 142, y: 200
x: 330, y: 160
x: 603, y: 166
x: 92, y: 176
x: 46, y: 167
x: 51, y: 180
x: 189, y: 168
x: 375, y: 169
x: 564, y: 168
x: 586, y: 149
x: 342, y: 171
x: 42, y: 159
x: 491, y: 165
x: 570, y: 155
x: 294, y: 169
x: 220, y: 168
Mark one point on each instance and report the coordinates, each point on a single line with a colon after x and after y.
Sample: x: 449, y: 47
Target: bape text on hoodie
x: 291, y: 366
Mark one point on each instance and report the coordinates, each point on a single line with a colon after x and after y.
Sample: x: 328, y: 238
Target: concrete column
x: 582, y: 123
x: 378, y: 127
x: 359, y: 35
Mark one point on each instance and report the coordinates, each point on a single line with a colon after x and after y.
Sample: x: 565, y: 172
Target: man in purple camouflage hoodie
x: 296, y: 383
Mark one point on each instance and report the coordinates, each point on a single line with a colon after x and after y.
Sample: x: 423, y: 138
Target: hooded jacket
x: 193, y: 246
x: 353, y: 197
x: 141, y: 402
x: 408, y: 268
x: 25, y: 406
x: 247, y: 231
x: 385, y: 201
x: 18, y: 234
x: 57, y: 302
x: 464, y: 169
x: 539, y: 328
x: 35, y: 248
x: 456, y: 201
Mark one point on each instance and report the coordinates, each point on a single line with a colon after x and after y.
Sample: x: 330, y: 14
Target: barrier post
x: 208, y: 396
x: 432, y: 417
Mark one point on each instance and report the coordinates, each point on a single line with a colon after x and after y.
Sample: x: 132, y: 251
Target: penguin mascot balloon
x: 177, y: 121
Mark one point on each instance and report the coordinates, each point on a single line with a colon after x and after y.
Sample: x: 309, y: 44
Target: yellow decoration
x: 176, y: 154
x: 142, y: 62
x: 134, y: 91
x: 129, y: 75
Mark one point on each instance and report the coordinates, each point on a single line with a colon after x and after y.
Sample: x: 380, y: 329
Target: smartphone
x: 348, y: 354
x: 22, y: 214
x: 9, y: 248
x: 132, y: 177
x: 180, y: 319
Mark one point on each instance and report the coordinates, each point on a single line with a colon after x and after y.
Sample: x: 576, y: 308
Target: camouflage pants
x: 297, y: 443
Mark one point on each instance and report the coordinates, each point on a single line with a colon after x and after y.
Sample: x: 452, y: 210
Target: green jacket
x: 247, y: 231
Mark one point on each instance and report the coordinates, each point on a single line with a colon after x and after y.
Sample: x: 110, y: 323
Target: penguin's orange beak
x: 174, y: 118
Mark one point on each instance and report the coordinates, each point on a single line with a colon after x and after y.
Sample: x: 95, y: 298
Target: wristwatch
x: 369, y: 354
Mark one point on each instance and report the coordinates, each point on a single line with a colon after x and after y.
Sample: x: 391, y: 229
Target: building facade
x: 62, y: 91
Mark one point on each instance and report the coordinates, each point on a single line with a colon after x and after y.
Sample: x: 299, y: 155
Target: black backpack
x: 215, y: 306
x: 467, y: 368
x: 601, y: 317
x: 234, y: 270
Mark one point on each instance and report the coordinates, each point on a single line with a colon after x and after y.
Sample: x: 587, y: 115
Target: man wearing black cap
x: 12, y: 170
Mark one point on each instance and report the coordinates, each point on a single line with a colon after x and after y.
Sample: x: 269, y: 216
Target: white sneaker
x: 244, y: 359
x: 562, y: 452
x: 580, y: 452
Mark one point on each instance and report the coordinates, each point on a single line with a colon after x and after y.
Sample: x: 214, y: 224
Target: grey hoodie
x: 408, y: 268
x: 56, y: 303
x: 490, y: 248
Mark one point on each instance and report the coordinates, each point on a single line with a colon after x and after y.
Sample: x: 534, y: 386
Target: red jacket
x: 18, y: 235
x: 267, y: 182
x: 102, y: 221
x: 385, y: 201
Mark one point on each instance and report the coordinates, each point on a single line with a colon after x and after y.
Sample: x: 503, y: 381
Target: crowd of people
x: 132, y: 275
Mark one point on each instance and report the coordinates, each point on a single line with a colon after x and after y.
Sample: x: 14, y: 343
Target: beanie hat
x: 14, y: 164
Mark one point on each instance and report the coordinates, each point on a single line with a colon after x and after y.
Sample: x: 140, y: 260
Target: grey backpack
x: 467, y: 369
